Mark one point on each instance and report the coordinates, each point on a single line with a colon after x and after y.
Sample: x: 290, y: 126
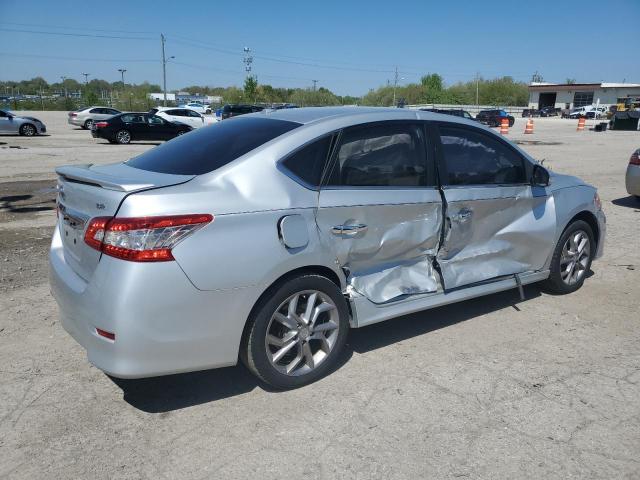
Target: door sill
x: 366, y: 312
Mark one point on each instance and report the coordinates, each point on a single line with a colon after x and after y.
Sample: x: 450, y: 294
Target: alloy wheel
x: 28, y: 130
x: 575, y: 257
x: 302, y: 332
x: 123, y: 136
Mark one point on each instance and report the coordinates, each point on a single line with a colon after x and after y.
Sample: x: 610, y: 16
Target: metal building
x: 573, y: 95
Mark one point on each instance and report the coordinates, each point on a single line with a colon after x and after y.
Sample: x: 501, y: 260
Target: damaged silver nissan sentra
x: 266, y: 237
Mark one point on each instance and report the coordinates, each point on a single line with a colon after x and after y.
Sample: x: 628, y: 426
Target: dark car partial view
x: 450, y: 111
x: 550, y: 111
x: 129, y: 127
x: 229, y: 111
x: 530, y: 112
x: 493, y: 118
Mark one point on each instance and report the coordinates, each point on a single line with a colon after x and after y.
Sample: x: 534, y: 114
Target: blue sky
x: 348, y: 46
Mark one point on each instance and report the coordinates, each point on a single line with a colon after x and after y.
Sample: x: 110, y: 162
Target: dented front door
x: 496, y: 224
x: 380, y: 211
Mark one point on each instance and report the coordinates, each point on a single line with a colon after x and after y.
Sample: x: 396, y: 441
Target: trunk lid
x: 88, y: 191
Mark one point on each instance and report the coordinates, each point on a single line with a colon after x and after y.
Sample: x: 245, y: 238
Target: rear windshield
x: 209, y: 148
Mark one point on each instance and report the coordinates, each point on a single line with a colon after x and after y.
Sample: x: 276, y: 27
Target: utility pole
x: 86, y: 77
x: 122, y: 70
x: 64, y: 86
x: 314, y: 84
x: 395, y: 85
x: 164, y: 71
x: 477, y: 89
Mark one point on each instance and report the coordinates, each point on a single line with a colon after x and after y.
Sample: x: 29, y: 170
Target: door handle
x: 349, y: 230
x: 462, y: 216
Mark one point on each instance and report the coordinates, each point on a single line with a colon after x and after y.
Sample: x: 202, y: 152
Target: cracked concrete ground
x: 491, y: 388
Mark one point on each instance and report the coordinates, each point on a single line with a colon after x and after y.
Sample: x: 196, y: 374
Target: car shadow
x: 629, y: 201
x: 175, y: 392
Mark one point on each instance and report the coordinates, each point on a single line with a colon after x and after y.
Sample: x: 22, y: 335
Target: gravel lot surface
x: 490, y: 388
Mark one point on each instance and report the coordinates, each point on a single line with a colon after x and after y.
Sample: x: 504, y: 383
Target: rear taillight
x: 72, y: 114
x: 635, y: 158
x: 101, y: 124
x: 145, y: 239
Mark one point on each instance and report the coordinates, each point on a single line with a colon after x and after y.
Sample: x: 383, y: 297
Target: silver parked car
x: 632, y: 179
x: 86, y: 117
x: 267, y: 236
x: 17, y: 124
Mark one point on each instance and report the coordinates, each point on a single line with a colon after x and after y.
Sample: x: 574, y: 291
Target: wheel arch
x: 590, y: 219
x: 320, y: 270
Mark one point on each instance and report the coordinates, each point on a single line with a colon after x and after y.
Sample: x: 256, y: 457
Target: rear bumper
x: 162, y: 323
x: 74, y: 121
x: 632, y: 180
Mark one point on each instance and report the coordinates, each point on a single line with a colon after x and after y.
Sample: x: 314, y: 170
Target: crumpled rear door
x: 389, y: 239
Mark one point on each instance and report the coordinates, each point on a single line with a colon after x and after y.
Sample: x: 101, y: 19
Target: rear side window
x: 474, y: 158
x: 207, y: 149
x: 382, y: 155
x: 308, y: 163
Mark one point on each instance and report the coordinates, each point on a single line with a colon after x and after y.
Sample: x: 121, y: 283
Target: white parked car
x: 181, y: 115
x: 589, y: 111
x: 198, y: 107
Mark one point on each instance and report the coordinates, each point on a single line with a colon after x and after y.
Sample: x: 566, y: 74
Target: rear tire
x: 88, y: 124
x: 571, y: 259
x: 123, y: 137
x: 28, y: 130
x: 288, y: 343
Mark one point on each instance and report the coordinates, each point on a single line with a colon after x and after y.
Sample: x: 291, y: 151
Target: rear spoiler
x: 121, y: 177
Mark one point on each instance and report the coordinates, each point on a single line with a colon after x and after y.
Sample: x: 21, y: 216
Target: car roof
x: 308, y: 115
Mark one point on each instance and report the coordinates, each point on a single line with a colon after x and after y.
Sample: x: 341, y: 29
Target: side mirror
x: 540, y: 176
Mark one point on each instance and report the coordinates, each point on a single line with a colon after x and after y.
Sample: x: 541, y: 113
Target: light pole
x: 86, y: 77
x: 122, y: 70
x: 64, y: 86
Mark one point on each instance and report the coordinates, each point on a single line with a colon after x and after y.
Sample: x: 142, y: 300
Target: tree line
x: 69, y: 94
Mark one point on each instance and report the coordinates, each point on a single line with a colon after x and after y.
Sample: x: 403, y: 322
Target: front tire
x: 123, y: 137
x: 571, y: 259
x: 28, y: 130
x: 297, y: 333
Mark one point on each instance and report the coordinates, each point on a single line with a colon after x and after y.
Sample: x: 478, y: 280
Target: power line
x: 65, y: 34
x: 76, y: 27
x: 80, y: 59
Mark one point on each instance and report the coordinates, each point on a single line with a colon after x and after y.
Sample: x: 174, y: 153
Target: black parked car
x: 549, y: 112
x: 455, y: 112
x: 530, y: 112
x: 128, y: 127
x: 229, y: 111
x: 493, y: 118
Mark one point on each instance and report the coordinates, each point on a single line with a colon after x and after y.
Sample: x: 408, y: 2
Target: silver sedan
x: 632, y: 179
x: 16, y: 124
x: 86, y: 117
x: 268, y: 236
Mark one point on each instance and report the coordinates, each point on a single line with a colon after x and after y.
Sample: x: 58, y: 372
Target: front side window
x: 472, y: 157
x: 381, y: 155
x: 153, y: 120
x: 308, y: 163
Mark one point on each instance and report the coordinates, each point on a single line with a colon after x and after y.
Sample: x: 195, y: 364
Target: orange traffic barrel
x: 529, y: 127
x: 504, y: 126
x: 581, y: 122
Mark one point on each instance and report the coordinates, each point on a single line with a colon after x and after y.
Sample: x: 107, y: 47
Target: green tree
x: 250, y: 88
